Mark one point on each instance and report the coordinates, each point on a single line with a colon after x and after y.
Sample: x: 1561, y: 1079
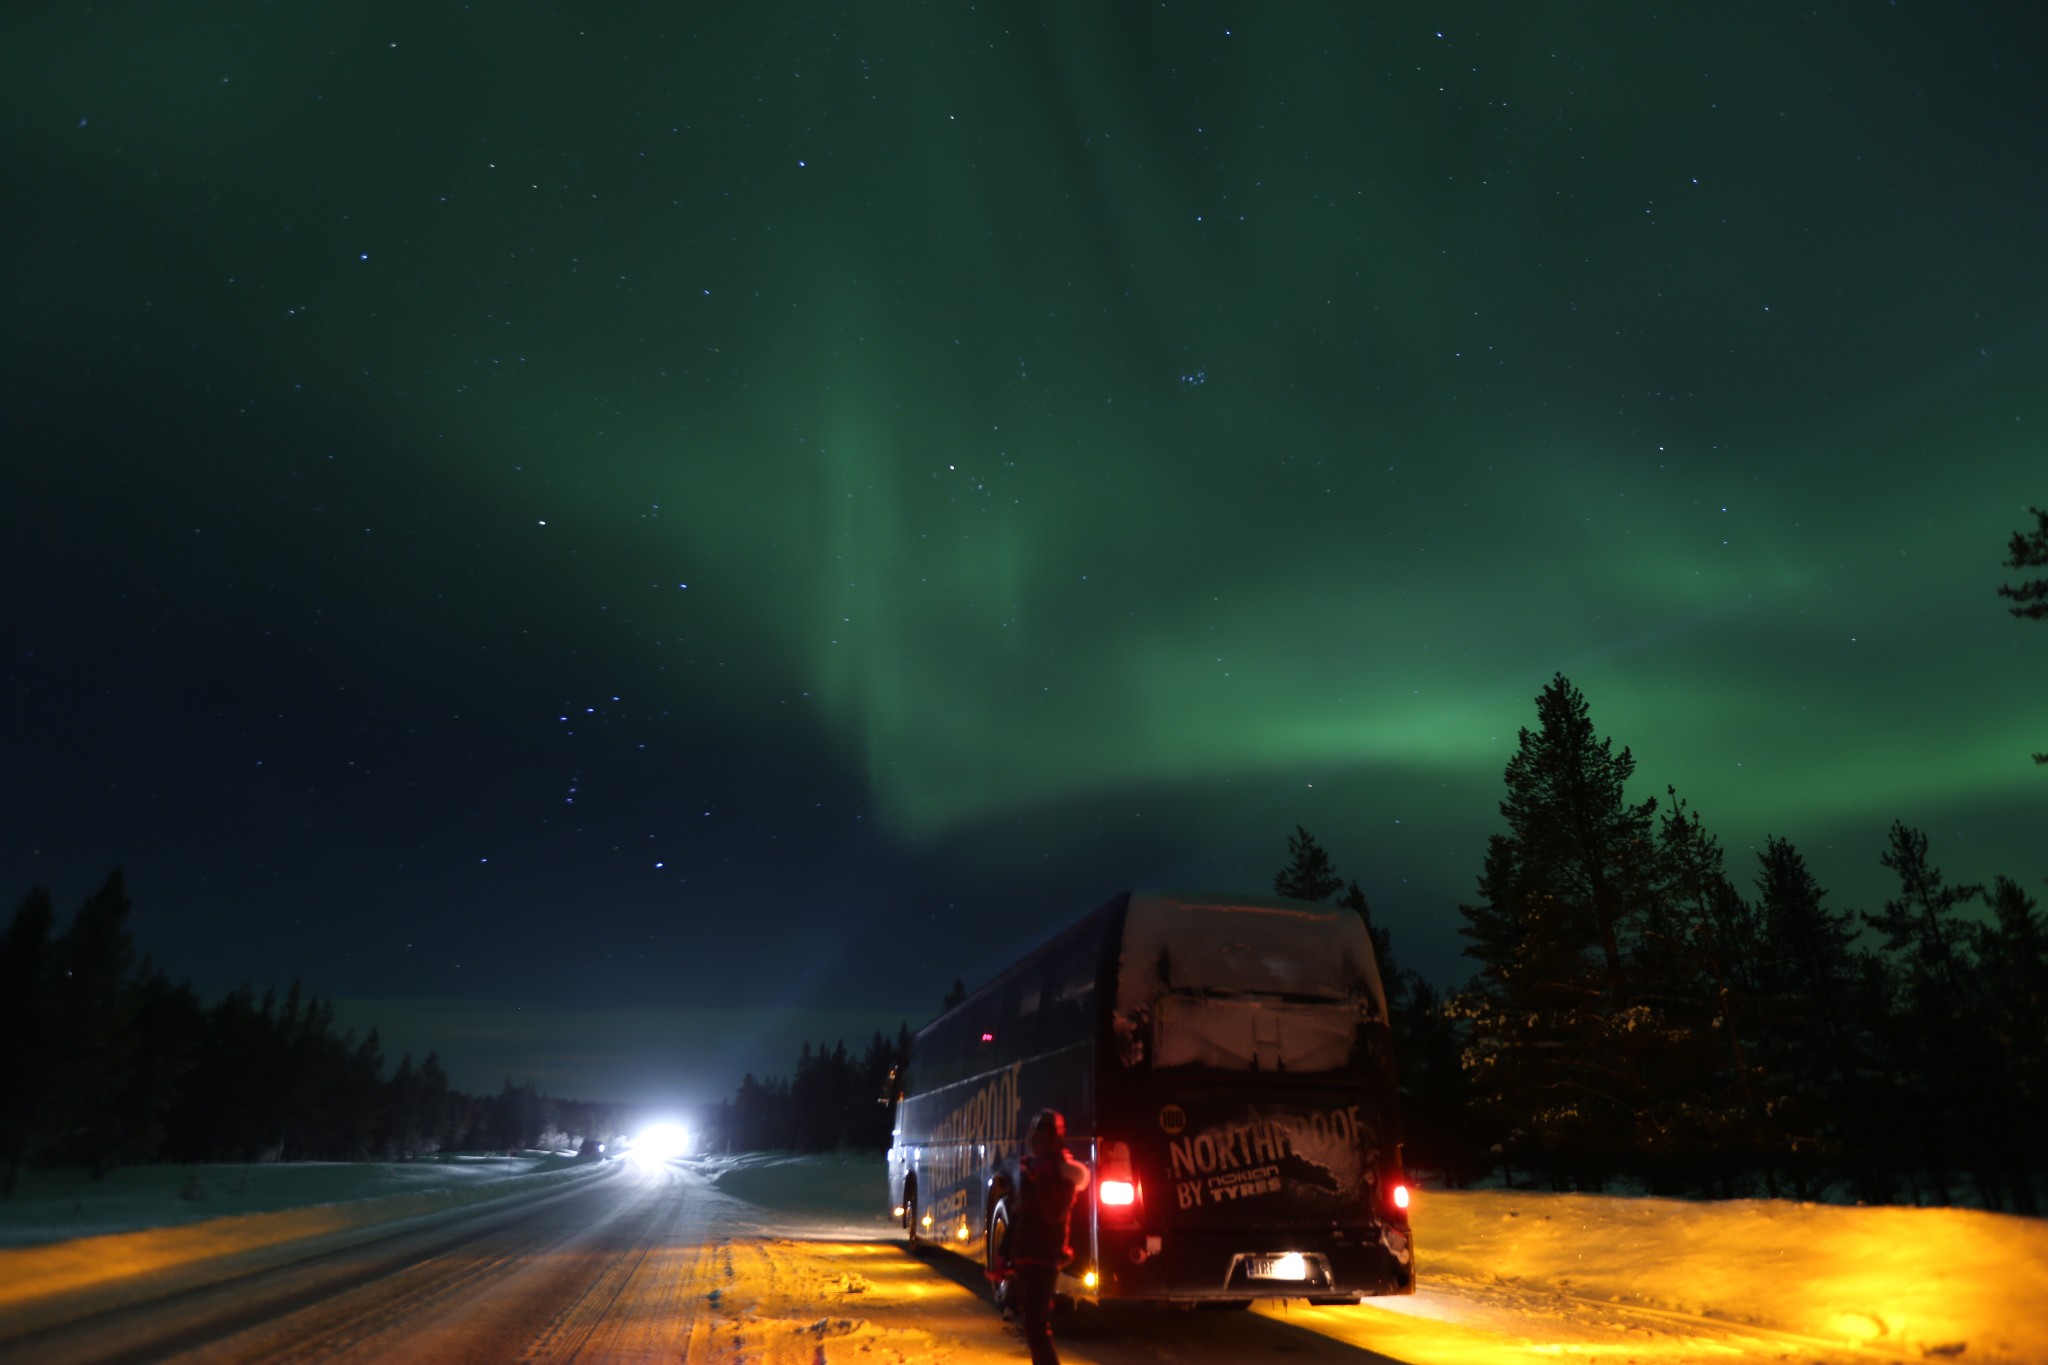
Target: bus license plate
x: 1277, y: 1268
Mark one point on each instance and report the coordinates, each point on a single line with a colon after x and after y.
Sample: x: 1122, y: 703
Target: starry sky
x: 611, y: 539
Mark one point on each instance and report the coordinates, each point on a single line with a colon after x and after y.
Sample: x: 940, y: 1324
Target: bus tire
x: 991, y: 1255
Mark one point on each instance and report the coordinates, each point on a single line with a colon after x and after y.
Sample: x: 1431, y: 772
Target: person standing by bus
x: 1050, y: 1180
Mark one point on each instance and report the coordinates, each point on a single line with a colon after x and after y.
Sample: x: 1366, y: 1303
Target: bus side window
x: 1071, y: 984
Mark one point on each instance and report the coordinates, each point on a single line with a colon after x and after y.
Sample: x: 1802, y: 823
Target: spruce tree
x: 1382, y: 941
x: 1308, y: 875
x: 95, y: 1013
x: 435, y: 1106
x: 2013, y: 951
x: 1936, y: 1005
x: 1921, y: 921
x: 30, y: 1112
x: 1561, y: 893
x: 2029, y: 551
x: 1812, y: 1044
x: 1692, y: 963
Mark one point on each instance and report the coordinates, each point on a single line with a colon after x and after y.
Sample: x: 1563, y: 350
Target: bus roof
x: 1219, y: 942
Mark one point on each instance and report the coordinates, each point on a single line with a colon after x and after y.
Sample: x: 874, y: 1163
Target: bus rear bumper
x: 1192, y: 1267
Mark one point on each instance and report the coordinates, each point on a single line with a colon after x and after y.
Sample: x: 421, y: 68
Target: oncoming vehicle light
x: 660, y: 1141
x: 1118, y: 1193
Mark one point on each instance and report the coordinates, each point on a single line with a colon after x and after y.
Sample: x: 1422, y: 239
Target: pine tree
x: 1308, y: 875
x: 1936, y: 1007
x: 95, y: 1017
x: 955, y: 997
x: 2029, y: 551
x: 30, y: 1112
x: 1921, y: 921
x: 1382, y: 943
x: 2013, y: 951
x: 1812, y: 1044
x: 432, y: 1107
x: 1551, y: 1010
x: 1691, y: 961
x: 168, y: 1026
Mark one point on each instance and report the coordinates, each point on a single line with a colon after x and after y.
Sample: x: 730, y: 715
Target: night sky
x: 614, y: 540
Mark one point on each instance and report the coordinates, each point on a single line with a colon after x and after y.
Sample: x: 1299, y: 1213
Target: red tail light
x: 1399, y: 1196
x: 1116, y: 1185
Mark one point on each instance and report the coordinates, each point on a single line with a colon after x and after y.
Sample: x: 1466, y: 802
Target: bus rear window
x: 1251, y: 1035
x: 1228, y: 987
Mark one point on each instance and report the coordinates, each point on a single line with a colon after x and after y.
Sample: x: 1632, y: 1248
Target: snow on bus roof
x: 1249, y: 945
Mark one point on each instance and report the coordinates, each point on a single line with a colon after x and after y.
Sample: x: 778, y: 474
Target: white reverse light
x: 658, y: 1142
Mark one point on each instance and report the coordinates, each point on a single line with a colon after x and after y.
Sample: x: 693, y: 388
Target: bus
x: 1226, y: 1072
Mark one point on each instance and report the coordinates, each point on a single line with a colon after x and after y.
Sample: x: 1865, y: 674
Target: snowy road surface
x: 622, y: 1263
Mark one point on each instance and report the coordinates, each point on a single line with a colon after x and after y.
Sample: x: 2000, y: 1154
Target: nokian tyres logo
x: 1245, y: 1160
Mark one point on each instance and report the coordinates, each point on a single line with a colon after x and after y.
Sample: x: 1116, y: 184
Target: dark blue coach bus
x: 1226, y: 1072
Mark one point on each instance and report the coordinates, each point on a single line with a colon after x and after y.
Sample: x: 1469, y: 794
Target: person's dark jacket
x: 1046, y: 1190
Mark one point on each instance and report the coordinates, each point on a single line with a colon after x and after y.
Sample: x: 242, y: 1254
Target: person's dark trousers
x: 1033, y: 1288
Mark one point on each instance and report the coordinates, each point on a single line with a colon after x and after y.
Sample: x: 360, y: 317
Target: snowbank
x: 57, y: 1205
x: 839, y: 1195
x: 1936, y: 1282
x: 290, y: 1206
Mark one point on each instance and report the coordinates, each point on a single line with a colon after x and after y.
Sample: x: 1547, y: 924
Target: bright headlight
x: 660, y: 1141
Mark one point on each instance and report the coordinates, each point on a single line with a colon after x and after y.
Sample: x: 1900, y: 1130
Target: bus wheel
x: 999, y: 1276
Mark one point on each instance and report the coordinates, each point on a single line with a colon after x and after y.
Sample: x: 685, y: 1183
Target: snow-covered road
x: 763, y: 1263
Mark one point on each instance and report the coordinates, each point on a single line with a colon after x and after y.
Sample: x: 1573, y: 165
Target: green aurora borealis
x: 1093, y: 439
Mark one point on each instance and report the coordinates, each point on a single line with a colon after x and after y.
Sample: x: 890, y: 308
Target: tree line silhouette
x: 1635, y: 1016
x: 107, y: 1062
x: 834, y: 1101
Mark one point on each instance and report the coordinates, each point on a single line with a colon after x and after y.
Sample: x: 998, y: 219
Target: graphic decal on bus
x: 1307, y: 1155
x: 992, y: 1111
